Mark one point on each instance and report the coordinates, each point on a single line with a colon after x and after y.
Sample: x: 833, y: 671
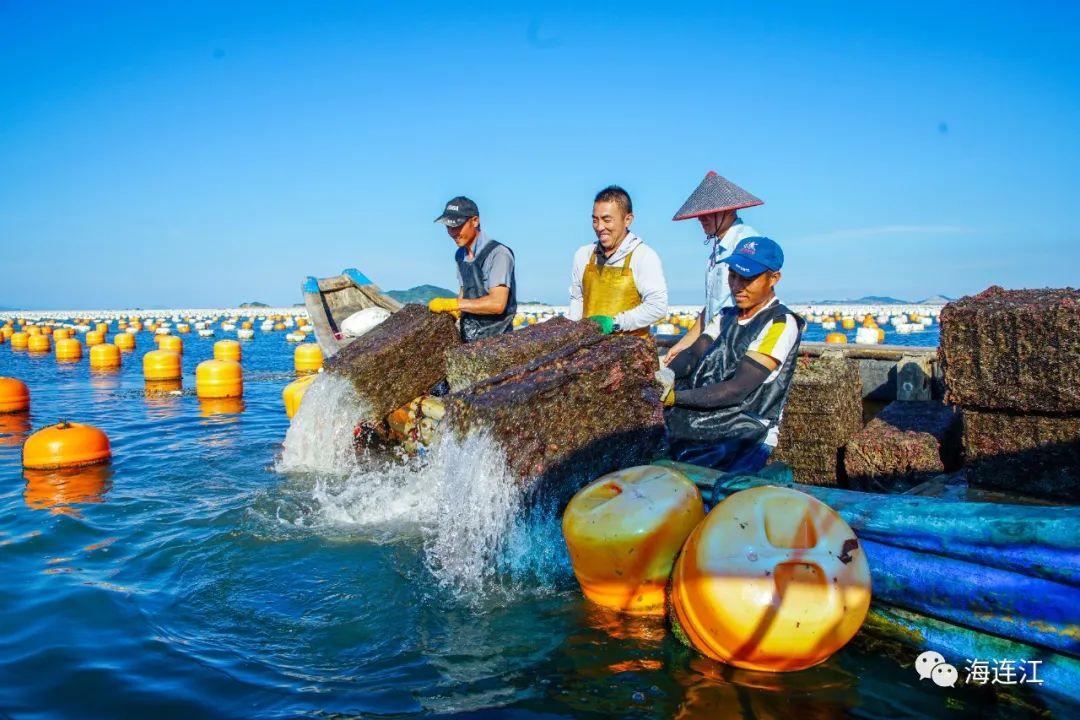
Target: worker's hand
x: 674, y: 350
x: 666, y: 378
x: 606, y: 323
x: 444, y: 304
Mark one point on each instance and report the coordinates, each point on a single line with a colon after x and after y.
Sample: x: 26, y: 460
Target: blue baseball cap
x: 755, y: 255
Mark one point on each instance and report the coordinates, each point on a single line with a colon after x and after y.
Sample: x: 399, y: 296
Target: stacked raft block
x: 906, y: 444
x: 1012, y: 362
x: 823, y: 412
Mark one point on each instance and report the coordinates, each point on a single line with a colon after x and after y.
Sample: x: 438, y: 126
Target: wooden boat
x: 329, y: 301
x: 968, y: 579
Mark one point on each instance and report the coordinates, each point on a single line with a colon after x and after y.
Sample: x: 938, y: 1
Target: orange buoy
x: 94, y: 337
x: 219, y: 379
x: 171, y: 342
x: 39, y: 344
x: 161, y: 365
x: 848, y: 323
x: 102, y: 328
x: 14, y: 395
x: 307, y: 357
x: 836, y: 338
x: 13, y: 427
x: 68, y: 350
x: 104, y: 356
x: 65, y: 445
x: 227, y: 350
x: 624, y: 531
x: 61, y: 333
x: 32, y: 329
x: 880, y: 335
x: 125, y: 342
x: 294, y: 393
x: 772, y: 580
x: 183, y: 328
x: 47, y: 330
x: 19, y: 340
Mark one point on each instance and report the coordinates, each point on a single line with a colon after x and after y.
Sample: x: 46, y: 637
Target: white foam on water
x: 320, y: 437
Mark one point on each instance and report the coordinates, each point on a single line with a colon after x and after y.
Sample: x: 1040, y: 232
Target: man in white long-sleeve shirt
x: 618, y: 281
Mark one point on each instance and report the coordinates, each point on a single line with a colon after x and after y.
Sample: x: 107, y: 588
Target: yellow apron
x: 610, y: 290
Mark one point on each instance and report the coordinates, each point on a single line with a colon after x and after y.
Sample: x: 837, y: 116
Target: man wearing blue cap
x: 731, y: 384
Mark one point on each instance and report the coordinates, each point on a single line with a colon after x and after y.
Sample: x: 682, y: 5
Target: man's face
x: 753, y: 291
x: 610, y: 224
x: 716, y: 223
x: 465, y: 233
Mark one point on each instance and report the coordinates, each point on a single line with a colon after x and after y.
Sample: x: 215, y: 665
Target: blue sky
x: 210, y: 153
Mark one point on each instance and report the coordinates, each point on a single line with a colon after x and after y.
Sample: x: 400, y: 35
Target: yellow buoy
x: 61, y: 333
x: 19, y: 340
x: 624, y: 531
x: 65, y: 445
x: 219, y: 379
x: 32, y: 330
x: 772, y: 580
x: 227, y: 350
x: 294, y: 393
x: 307, y: 357
x: 125, y: 341
x: 102, y: 328
x: 848, y: 323
x: 104, y: 356
x: 68, y: 350
x: 14, y: 395
x: 170, y: 342
x: 39, y: 344
x: 836, y: 338
x: 161, y: 365
x: 94, y: 337
x: 208, y: 407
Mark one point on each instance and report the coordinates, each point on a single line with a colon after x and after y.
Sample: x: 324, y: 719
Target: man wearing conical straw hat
x: 715, y: 203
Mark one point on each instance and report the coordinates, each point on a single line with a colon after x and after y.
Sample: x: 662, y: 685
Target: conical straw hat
x: 715, y: 194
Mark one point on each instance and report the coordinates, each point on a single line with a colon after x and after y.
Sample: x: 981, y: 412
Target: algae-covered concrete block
x: 572, y: 415
x: 400, y: 359
x: 472, y: 362
x: 906, y: 444
x: 1013, y: 350
x: 1028, y: 454
x: 823, y: 412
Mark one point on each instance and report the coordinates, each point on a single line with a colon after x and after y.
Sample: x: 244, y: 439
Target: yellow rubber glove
x: 666, y: 378
x: 444, y: 304
x: 669, y: 399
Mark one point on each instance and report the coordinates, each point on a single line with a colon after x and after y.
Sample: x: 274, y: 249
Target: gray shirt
x: 498, y: 267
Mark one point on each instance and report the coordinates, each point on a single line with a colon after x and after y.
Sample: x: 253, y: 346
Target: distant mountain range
x: 885, y: 300
x: 420, y: 295
x: 253, y: 304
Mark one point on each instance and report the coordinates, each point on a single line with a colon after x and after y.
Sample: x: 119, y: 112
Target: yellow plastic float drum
x: 19, y: 340
x: 39, y: 344
x: 624, y: 531
x: 66, y: 445
x: 14, y: 395
x: 61, y: 333
x: 104, y: 356
x: 307, y: 357
x: 836, y: 338
x: 125, y: 342
x: 94, y: 337
x: 161, y: 365
x: 68, y: 350
x: 294, y: 393
x: 227, y: 350
x: 773, y: 580
x: 219, y: 379
x: 171, y: 343
x: 848, y: 323
x: 32, y: 330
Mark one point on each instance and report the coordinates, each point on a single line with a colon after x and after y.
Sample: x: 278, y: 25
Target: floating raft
x: 329, y: 301
x: 1003, y: 576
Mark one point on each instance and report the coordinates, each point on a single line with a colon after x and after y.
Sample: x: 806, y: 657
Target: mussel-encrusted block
x: 475, y: 361
x: 400, y: 359
x: 823, y: 412
x: 906, y: 444
x: 1027, y: 454
x: 570, y: 416
x: 1013, y: 350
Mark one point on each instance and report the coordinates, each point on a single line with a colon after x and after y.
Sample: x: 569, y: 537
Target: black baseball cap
x: 457, y: 211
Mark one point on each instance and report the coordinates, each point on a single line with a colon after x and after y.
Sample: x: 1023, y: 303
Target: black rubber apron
x: 475, y: 327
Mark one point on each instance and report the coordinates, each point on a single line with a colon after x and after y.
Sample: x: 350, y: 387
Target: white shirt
x: 717, y: 292
x: 648, y: 279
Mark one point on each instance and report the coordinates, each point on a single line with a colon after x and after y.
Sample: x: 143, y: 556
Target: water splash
x: 320, y: 437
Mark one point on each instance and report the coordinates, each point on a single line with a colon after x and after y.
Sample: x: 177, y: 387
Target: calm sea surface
x: 206, y: 574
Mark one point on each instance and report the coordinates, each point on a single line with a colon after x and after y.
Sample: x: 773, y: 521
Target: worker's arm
x: 577, y: 271
x: 494, y: 303
x: 753, y: 370
x: 686, y: 340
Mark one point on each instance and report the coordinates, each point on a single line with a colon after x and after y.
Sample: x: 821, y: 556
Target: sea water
x: 226, y: 564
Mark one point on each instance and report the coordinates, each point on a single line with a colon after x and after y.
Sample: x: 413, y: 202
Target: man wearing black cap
x: 487, y: 299
x: 715, y: 203
x: 731, y: 385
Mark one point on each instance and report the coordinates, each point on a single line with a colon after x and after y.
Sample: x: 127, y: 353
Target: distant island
x: 253, y: 304
x: 884, y: 300
x: 420, y: 295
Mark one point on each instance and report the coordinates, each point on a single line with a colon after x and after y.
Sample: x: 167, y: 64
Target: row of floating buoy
x: 62, y: 445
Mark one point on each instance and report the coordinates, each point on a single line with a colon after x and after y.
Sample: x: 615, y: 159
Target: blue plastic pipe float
x: 980, y: 580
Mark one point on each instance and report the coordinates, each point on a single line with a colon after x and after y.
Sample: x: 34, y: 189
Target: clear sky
x: 208, y: 153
